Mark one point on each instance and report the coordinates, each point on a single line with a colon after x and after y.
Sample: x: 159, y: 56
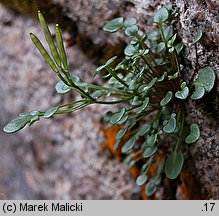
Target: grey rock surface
x: 194, y: 15
x: 59, y: 158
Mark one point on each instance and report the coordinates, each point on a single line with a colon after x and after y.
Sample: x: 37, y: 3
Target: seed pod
x: 61, y: 48
x: 49, y: 39
x: 43, y: 52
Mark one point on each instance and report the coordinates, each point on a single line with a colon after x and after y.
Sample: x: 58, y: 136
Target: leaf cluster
x: 149, y: 84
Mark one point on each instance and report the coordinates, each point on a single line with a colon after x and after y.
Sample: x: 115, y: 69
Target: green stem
x: 109, y: 89
x: 179, y: 141
x: 162, y: 34
x: 73, y: 109
x: 114, y: 102
x: 113, y: 74
x: 71, y: 103
x: 149, y: 64
x: 143, y: 45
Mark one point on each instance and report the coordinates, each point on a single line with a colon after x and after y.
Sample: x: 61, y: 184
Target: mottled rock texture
x: 204, y: 155
x: 61, y: 158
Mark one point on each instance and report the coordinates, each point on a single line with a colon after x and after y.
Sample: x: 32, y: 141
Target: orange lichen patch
x: 135, y: 171
x: 143, y: 195
x: 189, y: 187
x: 110, y: 135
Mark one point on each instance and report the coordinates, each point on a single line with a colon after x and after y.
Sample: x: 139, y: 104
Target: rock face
x: 61, y: 158
x: 194, y: 15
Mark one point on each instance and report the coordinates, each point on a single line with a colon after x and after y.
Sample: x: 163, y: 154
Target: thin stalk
x: 196, y: 66
x: 62, y: 78
x: 149, y: 65
x: 82, y: 92
x: 112, y: 73
x: 162, y: 34
x: 113, y: 102
x: 151, y: 54
x: 71, y: 103
x: 109, y: 89
x: 73, y: 109
x: 177, y: 62
x: 180, y: 132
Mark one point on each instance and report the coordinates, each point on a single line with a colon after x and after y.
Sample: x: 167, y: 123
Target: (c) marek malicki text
x: 55, y: 207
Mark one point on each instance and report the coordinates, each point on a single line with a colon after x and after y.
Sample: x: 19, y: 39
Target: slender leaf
x: 136, y: 101
x: 43, y: 52
x: 151, y: 140
x: 61, y: 47
x: 143, y: 107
